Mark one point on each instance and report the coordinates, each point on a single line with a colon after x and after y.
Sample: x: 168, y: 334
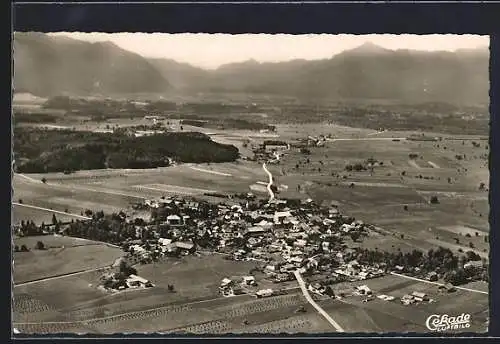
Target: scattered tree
x: 40, y: 245
x: 434, y: 200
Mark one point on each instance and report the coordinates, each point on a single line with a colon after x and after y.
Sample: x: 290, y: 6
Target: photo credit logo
x: 445, y: 322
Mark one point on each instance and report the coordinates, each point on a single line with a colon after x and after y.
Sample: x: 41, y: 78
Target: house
x: 386, y: 297
x: 136, y: 281
x: 185, y: 246
x: 279, y: 216
x: 473, y: 264
x: 448, y: 287
x: 174, y: 220
x: 270, y: 268
x: 316, y: 288
x: 300, y: 243
x: 255, y: 231
x: 275, y: 147
x: 363, y: 275
x: 407, y: 300
x: 363, y: 290
x: 418, y: 296
x: 226, y: 282
x: 264, y: 293
x: 249, y: 280
x: 283, y: 277
x: 432, y: 276
x: 164, y: 242
x: 287, y: 268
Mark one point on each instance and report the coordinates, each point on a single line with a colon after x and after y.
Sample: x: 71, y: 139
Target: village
x: 284, y: 236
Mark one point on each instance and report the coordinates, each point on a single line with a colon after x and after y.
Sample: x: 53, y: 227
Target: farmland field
x: 73, y: 303
x: 62, y: 260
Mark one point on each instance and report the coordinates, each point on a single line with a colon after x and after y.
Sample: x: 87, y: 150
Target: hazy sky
x: 213, y: 50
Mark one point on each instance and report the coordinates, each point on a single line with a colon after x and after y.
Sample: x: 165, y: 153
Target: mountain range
x: 47, y: 65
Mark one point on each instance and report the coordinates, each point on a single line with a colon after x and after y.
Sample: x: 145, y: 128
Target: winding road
x: 309, y: 299
x: 271, y: 193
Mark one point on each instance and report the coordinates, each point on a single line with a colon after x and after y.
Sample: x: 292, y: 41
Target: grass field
x: 59, y: 261
x: 391, y: 316
x: 73, y: 303
x: 114, y: 190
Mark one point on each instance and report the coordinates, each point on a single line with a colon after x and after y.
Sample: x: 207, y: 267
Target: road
x: 271, y: 193
x: 440, y: 284
x: 320, y: 310
x: 50, y: 210
x: 369, y: 139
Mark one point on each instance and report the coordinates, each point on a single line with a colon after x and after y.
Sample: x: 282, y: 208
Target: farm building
x: 432, y: 276
x: 255, y: 231
x: 249, y: 280
x: 226, y: 282
x: 137, y: 281
x: 185, y: 246
x: 275, y: 147
x: 264, y: 293
x: 164, y: 242
x: 418, y: 296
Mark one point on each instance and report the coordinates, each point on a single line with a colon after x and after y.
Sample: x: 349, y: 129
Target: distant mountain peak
x: 369, y: 48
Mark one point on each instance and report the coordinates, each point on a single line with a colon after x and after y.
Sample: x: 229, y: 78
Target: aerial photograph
x: 216, y: 184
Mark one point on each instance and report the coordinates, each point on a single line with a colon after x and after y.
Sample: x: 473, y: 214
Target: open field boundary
x: 210, y: 171
x: 439, y: 284
x: 185, y: 190
x: 51, y: 210
x: 45, y: 279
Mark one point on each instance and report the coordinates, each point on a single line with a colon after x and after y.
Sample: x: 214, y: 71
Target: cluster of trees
x: 441, y: 260
x: 274, y: 143
x: 22, y: 248
x: 228, y: 123
x: 23, y: 117
x: 399, y: 118
x: 29, y: 228
x: 59, y: 151
x: 111, y: 228
x: 358, y: 167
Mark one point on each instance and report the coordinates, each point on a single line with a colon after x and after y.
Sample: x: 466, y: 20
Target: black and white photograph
x: 213, y: 184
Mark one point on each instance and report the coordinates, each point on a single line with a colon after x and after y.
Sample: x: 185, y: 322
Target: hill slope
x: 368, y: 72
x: 46, y: 65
